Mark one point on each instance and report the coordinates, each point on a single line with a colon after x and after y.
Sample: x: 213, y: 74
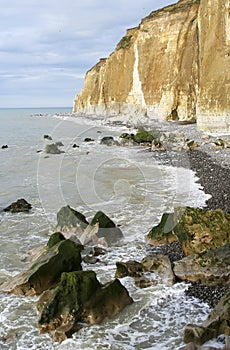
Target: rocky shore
x: 212, y: 166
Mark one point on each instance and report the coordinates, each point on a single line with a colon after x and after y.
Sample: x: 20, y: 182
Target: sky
x: 47, y: 46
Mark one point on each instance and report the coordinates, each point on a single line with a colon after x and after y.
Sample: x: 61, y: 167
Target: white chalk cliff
x: 175, y: 65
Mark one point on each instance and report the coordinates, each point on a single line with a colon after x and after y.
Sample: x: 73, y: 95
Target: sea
x: 125, y: 182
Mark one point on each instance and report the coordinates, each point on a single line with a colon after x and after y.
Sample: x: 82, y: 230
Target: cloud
x: 46, y: 47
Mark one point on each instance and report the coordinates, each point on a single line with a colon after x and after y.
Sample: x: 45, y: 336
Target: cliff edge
x: 173, y: 66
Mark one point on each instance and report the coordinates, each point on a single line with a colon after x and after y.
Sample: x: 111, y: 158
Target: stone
x: 75, y: 145
x: 198, y: 230
x: 45, y: 272
x: 162, y: 265
x: 55, y: 238
x: 53, y: 149
x: 47, y: 137
x: 70, y: 221
x: 4, y: 146
x: 79, y: 300
x: 209, y: 268
x: 88, y: 139
x: 171, y: 77
x: 20, y: 206
x: 59, y: 144
x: 130, y: 268
x: 106, y: 228
x: 109, y: 141
x: 217, y: 323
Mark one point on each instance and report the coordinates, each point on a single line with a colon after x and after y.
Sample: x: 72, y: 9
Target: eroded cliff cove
x: 174, y: 66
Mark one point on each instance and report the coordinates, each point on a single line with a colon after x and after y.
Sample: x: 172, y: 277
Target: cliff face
x: 174, y: 65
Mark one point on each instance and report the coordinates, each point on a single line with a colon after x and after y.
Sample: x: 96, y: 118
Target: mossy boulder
x: 79, y: 300
x: 106, y: 228
x: 209, y: 268
x: 55, y: 238
x: 197, y: 230
x: 45, y: 272
x: 217, y: 323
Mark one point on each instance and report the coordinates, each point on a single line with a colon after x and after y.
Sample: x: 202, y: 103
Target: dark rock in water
x: 209, y: 268
x: 47, y: 137
x: 197, y: 230
x: 53, y: 149
x: 89, y: 259
x: 88, y: 139
x: 70, y: 221
x: 108, y: 141
x: 4, y: 146
x: 130, y: 268
x: 55, y: 238
x: 20, y: 206
x: 45, y: 272
x: 75, y: 145
x: 217, y: 323
x: 79, y: 300
x: 106, y: 228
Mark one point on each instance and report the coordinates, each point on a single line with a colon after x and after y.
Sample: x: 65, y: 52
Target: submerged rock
x: 45, y: 272
x: 21, y: 205
x: 47, y: 137
x: 53, y: 149
x: 217, y: 323
x: 158, y: 263
x: 209, y: 268
x: 79, y: 300
x: 197, y: 230
x: 108, y: 141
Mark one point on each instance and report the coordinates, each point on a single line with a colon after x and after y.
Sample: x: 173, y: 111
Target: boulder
x: 47, y: 137
x: 209, y: 268
x: 217, y: 323
x: 45, y: 272
x: 70, y: 221
x: 108, y: 141
x: 21, y: 205
x: 88, y: 139
x: 162, y: 265
x: 55, y: 238
x: 140, y: 270
x: 106, y: 228
x: 4, y: 146
x: 53, y: 149
x: 130, y: 268
x: 197, y: 230
x: 79, y: 300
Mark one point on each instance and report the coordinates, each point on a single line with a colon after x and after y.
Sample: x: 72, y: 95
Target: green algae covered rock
x: 79, y: 300
x: 55, y: 238
x: 197, y: 230
x: 209, y: 268
x: 217, y: 323
x: 45, y: 272
x: 106, y: 228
